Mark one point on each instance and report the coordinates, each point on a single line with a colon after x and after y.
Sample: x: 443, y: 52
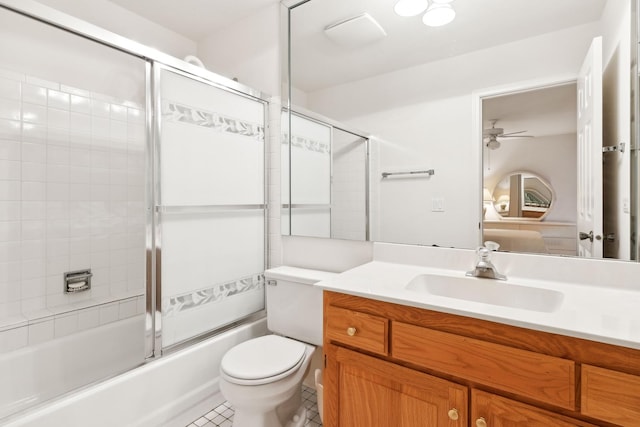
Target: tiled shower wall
x: 72, y: 191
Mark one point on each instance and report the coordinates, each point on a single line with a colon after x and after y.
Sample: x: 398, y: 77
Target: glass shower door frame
x: 156, y: 208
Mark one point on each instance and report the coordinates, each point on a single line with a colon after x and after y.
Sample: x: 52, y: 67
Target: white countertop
x: 597, y: 313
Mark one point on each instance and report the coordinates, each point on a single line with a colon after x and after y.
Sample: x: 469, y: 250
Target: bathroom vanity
x: 399, y: 354
x: 388, y: 364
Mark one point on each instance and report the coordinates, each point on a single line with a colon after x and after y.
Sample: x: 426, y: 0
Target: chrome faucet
x: 485, y: 268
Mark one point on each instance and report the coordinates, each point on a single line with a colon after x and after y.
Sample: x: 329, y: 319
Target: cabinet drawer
x: 611, y: 396
x: 544, y: 378
x: 500, y: 411
x: 356, y: 329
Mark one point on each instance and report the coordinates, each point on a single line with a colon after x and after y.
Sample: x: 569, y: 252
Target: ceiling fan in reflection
x: 492, y: 135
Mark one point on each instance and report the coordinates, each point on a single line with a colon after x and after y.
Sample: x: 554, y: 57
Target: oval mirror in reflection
x: 522, y: 195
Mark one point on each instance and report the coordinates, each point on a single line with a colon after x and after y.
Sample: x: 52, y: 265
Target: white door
x: 590, y: 153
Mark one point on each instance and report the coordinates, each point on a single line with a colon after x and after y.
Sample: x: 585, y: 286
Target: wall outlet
x: 437, y: 204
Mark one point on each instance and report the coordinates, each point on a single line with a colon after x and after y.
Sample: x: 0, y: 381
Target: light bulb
x: 438, y: 15
x: 410, y: 7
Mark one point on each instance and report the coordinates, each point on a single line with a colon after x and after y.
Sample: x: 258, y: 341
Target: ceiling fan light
x: 410, y: 7
x: 493, y: 144
x: 438, y: 15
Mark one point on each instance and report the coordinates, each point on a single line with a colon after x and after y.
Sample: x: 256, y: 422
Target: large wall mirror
x: 451, y: 111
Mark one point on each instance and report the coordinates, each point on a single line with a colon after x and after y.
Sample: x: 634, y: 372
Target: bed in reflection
x: 516, y: 240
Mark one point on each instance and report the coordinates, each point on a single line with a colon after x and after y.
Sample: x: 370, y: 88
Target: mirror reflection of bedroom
x: 530, y: 171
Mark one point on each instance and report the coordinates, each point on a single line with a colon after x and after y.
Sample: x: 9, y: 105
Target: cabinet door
x: 375, y: 393
x: 490, y: 410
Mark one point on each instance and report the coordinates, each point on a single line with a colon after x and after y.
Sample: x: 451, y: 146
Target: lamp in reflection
x: 503, y: 202
x: 487, y: 200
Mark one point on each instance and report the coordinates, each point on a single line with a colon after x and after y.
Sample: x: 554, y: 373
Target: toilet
x: 262, y: 377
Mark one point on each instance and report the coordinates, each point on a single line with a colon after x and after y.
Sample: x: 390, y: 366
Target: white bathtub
x: 171, y: 391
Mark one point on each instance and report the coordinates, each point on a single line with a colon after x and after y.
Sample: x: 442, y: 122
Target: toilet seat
x: 262, y: 360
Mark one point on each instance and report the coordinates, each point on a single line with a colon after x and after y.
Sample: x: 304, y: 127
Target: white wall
x: 72, y: 183
x: 248, y: 50
x: 545, y: 157
x: 616, y: 24
x: 423, y: 115
x: 115, y: 18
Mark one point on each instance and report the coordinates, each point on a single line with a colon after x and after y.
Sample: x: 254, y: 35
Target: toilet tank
x: 294, y: 304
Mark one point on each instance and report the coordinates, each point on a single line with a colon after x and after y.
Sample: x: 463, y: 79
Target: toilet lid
x: 262, y: 357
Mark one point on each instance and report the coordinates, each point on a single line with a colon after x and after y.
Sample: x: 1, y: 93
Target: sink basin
x: 487, y: 291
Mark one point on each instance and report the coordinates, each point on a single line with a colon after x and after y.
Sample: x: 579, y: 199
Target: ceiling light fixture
x: 438, y: 15
x: 410, y: 7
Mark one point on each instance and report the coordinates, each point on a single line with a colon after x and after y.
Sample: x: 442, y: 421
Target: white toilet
x: 262, y: 378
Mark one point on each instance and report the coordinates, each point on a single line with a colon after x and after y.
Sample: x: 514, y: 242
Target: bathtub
x: 171, y: 391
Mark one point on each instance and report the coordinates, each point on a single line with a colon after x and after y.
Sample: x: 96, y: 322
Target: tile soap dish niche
x: 77, y: 281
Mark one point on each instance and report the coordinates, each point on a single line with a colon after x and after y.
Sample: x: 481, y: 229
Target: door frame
x: 477, y: 121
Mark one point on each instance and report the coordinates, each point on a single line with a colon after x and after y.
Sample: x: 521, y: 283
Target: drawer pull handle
x: 481, y: 422
x: 351, y: 331
x: 453, y: 414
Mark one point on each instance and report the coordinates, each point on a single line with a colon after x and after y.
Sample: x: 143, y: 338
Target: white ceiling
x: 543, y: 112
x: 194, y: 19
x: 478, y: 24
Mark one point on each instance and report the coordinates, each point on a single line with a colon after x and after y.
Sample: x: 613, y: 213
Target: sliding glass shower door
x: 210, y: 205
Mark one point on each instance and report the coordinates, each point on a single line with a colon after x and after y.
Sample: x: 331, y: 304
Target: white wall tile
x: 58, y: 99
x: 100, y: 108
x: 31, y: 305
x: 58, y: 136
x: 14, y: 339
x: 58, y: 192
x: 65, y: 324
x: 88, y: 318
x: 57, y: 118
x: 9, y: 230
x: 80, y: 123
x: 33, y: 229
x: 33, y: 268
x: 9, y: 190
x: 10, y: 251
x: 80, y: 104
x: 9, y: 88
x: 10, y: 210
x: 57, y: 155
x: 34, y: 172
x: 10, y: 129
x: 33, y: 191
x: 56, y: 265
x: 57, y: 229
x: 81, y: 261
x: 128, y: 308
x: 34, y: 133
x: 34, y: 94
x: 9, y: 169
x: 35, y: 114
x: 33, y: 288
x: 57, y: 174
x: 33, y: 249
x: 9, y: 150
x: 34, y: 153
x: 41, y: 332
x: 9, y: 292
x: 109, y: 313
x: 79, y: 245
x: 9, y: 109
x: 10, y: 272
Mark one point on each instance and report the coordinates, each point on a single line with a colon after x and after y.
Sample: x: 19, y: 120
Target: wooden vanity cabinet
x: 389, y: 365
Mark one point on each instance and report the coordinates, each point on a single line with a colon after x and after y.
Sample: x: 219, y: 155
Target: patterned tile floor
x: 222, y: 416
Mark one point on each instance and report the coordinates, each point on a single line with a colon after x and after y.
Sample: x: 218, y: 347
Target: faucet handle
x: 483, y: 253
